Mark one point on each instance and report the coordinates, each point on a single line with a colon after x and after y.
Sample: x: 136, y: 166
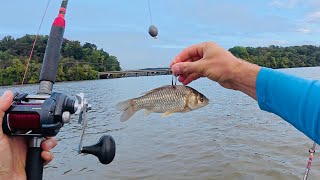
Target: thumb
x: 186, y: 68
x: 5, y: 102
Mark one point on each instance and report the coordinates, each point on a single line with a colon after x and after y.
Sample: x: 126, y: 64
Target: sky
x: 121, y: 27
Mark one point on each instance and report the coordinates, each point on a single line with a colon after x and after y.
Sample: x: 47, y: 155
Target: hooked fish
x: 166, y: 99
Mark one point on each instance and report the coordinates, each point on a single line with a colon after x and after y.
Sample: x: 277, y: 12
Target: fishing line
x: 153, y: 30
x: 34, y: 43
x: 150, y: 12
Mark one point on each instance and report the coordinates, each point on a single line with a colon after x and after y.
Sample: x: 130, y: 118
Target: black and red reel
x: 38, y: 115
x: 43, y: 116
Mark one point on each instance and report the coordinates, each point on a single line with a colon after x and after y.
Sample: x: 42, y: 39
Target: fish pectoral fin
x: 147, y: 112
x: 165, y: 114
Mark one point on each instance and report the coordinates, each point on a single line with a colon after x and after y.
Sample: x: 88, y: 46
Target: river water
x: 231, y: 138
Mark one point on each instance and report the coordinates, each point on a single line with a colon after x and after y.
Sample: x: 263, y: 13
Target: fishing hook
x: 175, y: 83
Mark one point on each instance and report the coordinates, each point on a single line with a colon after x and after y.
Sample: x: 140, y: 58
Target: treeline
x: 280, y: 57
x: 78, y: 62
x: 83, y: 62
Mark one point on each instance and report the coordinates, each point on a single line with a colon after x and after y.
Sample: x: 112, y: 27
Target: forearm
x: 244, y: 77
x: 294, y: 99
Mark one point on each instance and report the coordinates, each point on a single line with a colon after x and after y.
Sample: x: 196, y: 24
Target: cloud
x: 227, y: 17
x: 309, y: 23
x: 291, y: 4
x: 169, y: 46
x: 121, y: 27
x: 288, y: 4
x: 313, y: 17
x: 304, y: 30
x: 264, y: 41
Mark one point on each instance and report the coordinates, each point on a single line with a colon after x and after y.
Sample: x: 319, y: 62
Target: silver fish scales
x: 165, y: 99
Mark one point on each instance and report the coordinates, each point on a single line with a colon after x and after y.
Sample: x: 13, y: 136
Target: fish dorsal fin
x: 156, y: 89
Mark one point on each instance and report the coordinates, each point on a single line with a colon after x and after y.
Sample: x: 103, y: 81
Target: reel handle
x: 104, y: 149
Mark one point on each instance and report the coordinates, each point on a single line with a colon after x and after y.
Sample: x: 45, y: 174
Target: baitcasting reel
x: 42, y: 115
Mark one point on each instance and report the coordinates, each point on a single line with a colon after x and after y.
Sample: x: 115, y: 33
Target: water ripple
x: 231, y: 138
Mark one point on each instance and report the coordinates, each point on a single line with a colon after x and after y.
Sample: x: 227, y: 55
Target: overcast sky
x: 121, y: 27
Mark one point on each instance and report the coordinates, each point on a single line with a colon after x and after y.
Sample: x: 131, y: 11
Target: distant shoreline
x: 18, y: 85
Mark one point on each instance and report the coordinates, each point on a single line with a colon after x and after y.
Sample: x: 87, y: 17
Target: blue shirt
x: 294, y: 99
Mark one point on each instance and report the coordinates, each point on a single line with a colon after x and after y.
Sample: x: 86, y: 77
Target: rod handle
x: 34, y: 164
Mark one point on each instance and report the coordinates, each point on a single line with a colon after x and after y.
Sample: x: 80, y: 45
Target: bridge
x: 134, y: 73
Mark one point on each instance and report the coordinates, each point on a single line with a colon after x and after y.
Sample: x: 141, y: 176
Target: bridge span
x: 134, y: 73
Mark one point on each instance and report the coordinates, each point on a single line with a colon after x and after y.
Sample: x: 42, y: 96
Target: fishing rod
x: 45, y: 113
x: 312, y: 151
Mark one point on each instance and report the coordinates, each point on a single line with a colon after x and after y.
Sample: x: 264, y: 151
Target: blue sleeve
x: 294, y: 99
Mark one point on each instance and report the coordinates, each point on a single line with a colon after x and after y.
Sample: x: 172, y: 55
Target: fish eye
x: 201, y: 99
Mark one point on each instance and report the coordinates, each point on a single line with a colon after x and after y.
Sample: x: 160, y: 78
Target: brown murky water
x: 231, y: 138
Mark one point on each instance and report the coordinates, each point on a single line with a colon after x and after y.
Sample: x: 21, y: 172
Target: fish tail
x: 127, y: 107
x: 124, y: 105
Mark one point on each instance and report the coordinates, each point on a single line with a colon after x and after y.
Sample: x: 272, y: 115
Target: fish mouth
x: 201, y: 105
x: 205, y: 104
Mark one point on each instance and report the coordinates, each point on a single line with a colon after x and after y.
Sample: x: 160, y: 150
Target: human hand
x: 13, y: 150
x: 211, y: 61
x: 204, y: 60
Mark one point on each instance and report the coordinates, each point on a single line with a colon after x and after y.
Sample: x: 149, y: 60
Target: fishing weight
x: 153, y: 31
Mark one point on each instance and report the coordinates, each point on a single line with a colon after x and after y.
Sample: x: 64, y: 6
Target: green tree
x: 14, y: 74
x: 240, y: 52
x: 113, y: 64
x: 77, y: 62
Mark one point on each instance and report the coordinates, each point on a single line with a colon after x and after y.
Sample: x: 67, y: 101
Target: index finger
x: 192, y: 53
x: 49, y: 143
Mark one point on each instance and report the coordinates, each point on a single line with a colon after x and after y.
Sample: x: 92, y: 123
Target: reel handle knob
x: 104, y: 149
